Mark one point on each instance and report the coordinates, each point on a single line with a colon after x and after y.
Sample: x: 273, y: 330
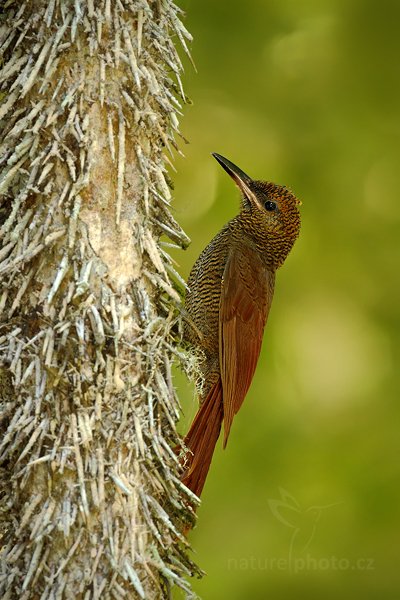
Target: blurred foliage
x: 306, y: 94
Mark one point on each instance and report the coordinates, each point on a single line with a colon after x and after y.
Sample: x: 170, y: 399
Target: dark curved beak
x: 242, y: 180
x: 231, y: 169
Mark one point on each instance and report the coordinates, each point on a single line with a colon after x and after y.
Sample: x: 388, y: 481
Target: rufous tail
x: 201, y: 439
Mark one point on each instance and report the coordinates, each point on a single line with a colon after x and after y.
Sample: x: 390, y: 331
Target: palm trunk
x: 91, y: 503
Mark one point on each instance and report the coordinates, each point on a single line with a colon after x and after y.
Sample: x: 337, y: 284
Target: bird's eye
x: 269, y: 205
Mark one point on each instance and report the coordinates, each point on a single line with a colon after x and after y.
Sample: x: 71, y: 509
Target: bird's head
x: 270, y: 213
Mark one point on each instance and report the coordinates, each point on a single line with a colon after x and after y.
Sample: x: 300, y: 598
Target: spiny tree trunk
x: 91, y: 503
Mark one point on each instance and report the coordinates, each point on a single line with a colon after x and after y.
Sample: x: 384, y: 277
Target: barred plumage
x: 230, y: 293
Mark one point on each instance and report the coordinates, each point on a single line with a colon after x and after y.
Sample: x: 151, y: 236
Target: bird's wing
x: 246, y: 296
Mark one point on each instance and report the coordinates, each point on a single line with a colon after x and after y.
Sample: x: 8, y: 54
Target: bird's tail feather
x: 201, y: 439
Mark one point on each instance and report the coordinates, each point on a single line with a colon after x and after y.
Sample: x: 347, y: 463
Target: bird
x: 229, y: 295
x: 303, y: 521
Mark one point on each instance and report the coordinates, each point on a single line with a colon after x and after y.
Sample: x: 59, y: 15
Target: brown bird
x: 231, y: 286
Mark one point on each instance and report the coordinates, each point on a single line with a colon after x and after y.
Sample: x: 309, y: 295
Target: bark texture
x: 91, y: 503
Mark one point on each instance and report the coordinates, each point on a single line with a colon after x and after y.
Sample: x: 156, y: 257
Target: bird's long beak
x: 242, y: 180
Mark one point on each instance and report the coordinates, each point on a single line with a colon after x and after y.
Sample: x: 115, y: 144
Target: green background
x: 305, y: 500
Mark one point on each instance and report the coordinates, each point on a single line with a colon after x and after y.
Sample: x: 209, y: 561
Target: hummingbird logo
x: 303, y: 521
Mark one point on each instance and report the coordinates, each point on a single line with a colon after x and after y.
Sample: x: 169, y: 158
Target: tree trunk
x: 91, y: 503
